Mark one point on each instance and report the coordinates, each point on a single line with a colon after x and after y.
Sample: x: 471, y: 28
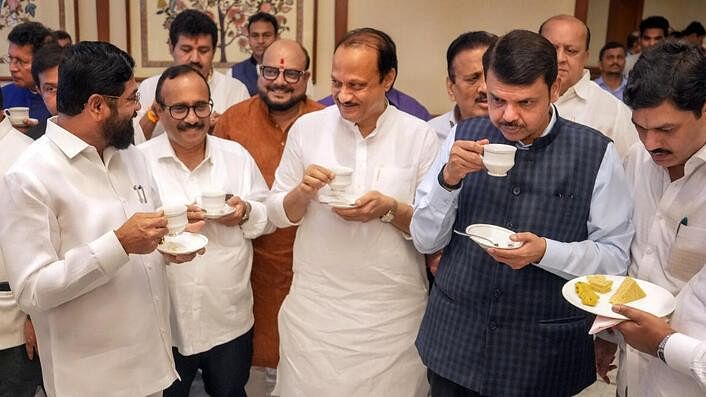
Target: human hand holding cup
x: 498, y: 158
x: 17, y: 115
x: 176, y: 218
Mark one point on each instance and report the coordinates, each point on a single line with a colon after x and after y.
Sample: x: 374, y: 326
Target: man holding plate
x: 667, y: 92
x: 497, y: 323
x: 212, y: 300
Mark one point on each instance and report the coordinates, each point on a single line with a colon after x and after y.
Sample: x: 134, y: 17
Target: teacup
x: 213, y: 201
x: 498, y: 159
x: 176, y: 218
x: 343, y: 178
x: 17, y: 115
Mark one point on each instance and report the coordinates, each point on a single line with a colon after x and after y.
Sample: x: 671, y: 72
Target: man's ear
x: 389, y: 79
x: 554, y: 91
x: 97, y: 107
x: 449, y: 91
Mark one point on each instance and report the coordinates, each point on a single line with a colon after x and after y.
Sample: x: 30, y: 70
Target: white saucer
x: 483, y: 234
x: 30, y: 119
x: 227, y: 209
x: 337, y: 201
x: 182, y: 244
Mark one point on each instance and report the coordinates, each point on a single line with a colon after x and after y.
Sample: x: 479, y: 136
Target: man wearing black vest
x: 496, y: 323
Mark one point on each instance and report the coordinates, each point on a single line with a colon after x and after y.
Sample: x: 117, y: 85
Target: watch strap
x: 661, y: 346
x: 446, y: 185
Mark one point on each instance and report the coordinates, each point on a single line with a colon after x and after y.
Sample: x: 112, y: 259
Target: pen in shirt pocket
x: 684, y: 221
x: 140, y: 193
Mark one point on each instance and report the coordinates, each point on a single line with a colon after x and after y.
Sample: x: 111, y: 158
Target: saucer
x: 337, y: 201
x: 483, y: 234
x: 227, y: 209
x: 182, y: 244
x: 30, y: 119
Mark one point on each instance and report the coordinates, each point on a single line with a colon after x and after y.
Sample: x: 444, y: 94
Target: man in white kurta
x: 212, y: 300
x: 79, y: 234
x: 192, y: 41
x: 18, y: 374
x: 667, y: 174
x: 348, y: 325
x: 581, y: 100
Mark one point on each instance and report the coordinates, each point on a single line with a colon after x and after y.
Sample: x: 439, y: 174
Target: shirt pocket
x: 688, y: 253
x: 396, y: 182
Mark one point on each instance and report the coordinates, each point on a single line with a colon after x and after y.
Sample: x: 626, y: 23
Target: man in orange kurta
x: 261, y: 124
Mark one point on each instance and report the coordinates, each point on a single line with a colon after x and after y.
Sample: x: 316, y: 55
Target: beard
x: 117, y: 132
x: 280, y: 106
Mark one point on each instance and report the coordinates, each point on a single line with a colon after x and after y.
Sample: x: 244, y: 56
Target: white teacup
x: 176, y: 218
x: 498, y: 159
x: 343, y: 178
x: 17, y: 115
x: 213, y: 201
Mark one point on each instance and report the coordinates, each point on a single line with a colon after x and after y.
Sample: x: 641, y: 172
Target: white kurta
x: 12, y: 320
x: 226, y: 91
x: 685, y: 352
x: 588, y: 104
x: 211, y: 295
x: 348, y: 325
x: 663, y: 252
x: 101, y: 316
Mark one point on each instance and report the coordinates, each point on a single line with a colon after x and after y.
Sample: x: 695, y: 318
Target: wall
x: 597, y: 21
x: 678, y: 12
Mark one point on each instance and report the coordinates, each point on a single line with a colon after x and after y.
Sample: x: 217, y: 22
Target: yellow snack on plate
x: 628, y: 291
x: 587, y: 295
x: 599, y: 283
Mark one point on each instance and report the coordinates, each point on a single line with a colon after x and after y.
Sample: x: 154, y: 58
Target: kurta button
x: 516, y: 190
x: 510, y: 225
x: 497, y: 293
x: 492, y: 326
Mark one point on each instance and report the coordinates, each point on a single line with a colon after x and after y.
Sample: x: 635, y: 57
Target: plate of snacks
x: 597, y: 293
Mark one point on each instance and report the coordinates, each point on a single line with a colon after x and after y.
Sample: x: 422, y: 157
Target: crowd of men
x: 329, y: 292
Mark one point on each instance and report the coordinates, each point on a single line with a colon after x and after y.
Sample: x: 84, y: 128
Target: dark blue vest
x: 504, y: 332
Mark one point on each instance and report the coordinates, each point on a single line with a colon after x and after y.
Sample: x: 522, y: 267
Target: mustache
x: 660, y: 151
x: 481, y: 98
x: 183, y: 126
x: 280, y: 87
x: 513, y: 124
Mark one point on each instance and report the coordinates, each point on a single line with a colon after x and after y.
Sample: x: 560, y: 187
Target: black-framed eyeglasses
x: 271, y: 73
x: 179, y: 111
x: 135, y: 99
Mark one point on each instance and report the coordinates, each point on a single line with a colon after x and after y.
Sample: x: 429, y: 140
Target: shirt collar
x: 378, y: 123
x: 165, y: 150
x: 581, y: 88
x: 695, y: 161
x: 67, y: 142
x: 5, y: 127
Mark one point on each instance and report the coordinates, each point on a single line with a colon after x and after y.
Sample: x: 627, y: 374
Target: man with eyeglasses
x: 25, y: 40
x: 79, y: 235
x: 261, y: 125
x: 45, y: 71
x: 193, y: 37
x: 263, y: 30
x: 211, y: 301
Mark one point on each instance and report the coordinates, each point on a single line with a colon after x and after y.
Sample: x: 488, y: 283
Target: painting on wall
x: 154, y: 17
x: 54, y: 14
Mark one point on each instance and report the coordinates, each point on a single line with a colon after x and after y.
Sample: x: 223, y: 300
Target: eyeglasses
x: 10, y: 60
x: 180, y: 111
x: 135, y: 99
x: 271, y: 73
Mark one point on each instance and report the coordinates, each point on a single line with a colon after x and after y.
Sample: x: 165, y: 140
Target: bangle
x: 152, y: 116
x: 446, y: 185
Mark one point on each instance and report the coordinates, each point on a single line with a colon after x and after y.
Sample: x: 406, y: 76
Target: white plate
x: 182, y: 244
x: 337, y: 201
x: 227, y: 209
x: 658, y: 300
x: 497, y: 234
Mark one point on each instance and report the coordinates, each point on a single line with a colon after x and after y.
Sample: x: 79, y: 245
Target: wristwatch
x: 390, y: 214
x: 660, y: 348
x: 246, y: 215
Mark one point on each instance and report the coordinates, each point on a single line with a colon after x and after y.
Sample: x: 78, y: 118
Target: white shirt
x: 211, y: 296
x: 443, y: 124
x: 610, y: 229
x: 226, y: 91
x: 12, y: 320
x: 349, y: 323
x: 100, y: 315
x: 664, y: 251
x: 587, y: 103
